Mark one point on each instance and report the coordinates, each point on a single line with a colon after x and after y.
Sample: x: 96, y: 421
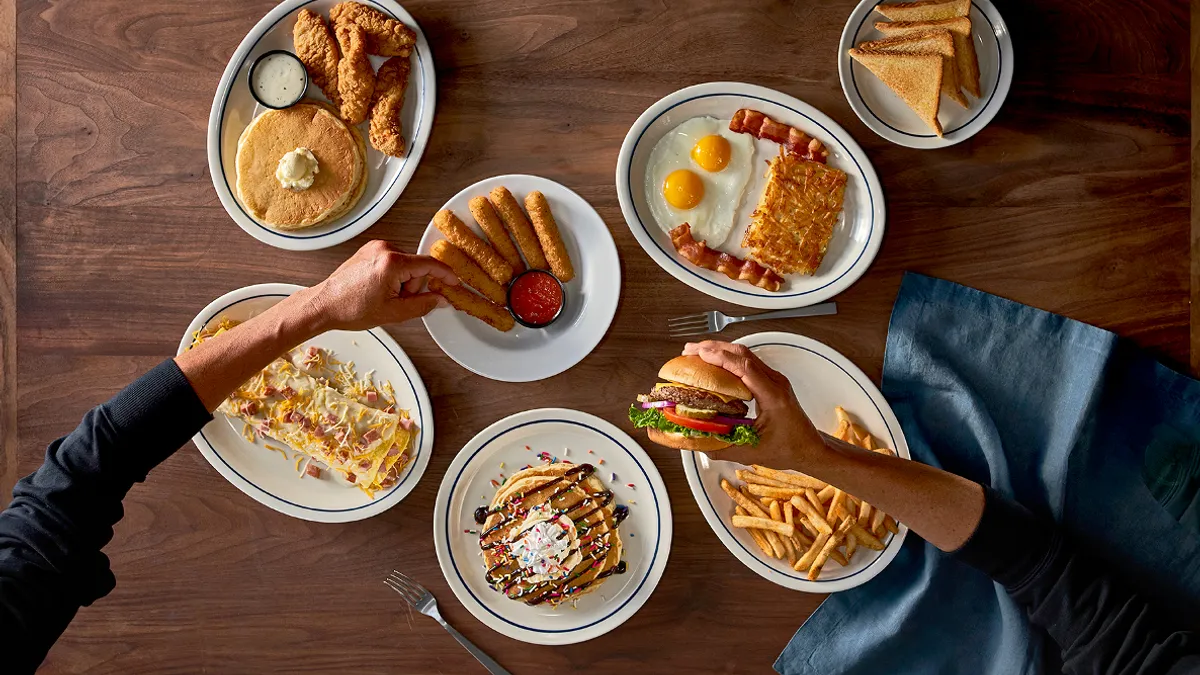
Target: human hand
x: 788, y: 438
x: 378, y: 284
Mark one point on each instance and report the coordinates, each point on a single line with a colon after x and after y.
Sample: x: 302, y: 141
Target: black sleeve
x: 63, y: 514
x: 1100, y: 625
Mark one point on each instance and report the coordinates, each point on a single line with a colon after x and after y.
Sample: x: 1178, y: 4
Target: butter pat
x: 297, y: 169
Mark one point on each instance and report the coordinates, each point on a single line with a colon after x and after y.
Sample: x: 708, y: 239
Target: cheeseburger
x: 696, y: 406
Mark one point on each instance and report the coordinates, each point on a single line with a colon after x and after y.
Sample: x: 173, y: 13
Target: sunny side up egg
x: 697, y: 173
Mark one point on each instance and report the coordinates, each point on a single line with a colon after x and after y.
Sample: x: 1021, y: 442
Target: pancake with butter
x: 337, y: 182
x: 550, y: 534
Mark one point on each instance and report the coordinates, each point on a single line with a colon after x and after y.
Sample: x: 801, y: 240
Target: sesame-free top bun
x: 681, y: 442
x: 696, y: 372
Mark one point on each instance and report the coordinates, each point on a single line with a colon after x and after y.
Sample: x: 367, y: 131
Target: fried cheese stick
x: 461, y: 236
x: 518, y: 226
x: 466, y: 270
x: 489, y: 221
x: 476, y: 305
x: 549, y: 236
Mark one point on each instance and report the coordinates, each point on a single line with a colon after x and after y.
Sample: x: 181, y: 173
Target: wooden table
x: 1075, y: 199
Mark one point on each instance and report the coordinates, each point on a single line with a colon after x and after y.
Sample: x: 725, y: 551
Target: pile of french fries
x: 803, y: 519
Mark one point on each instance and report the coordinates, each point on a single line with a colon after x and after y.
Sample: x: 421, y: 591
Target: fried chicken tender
x: 385, y: 35
x: 518, y: 226
x: 477, y: 306
x: 466, y: 270
x: 386, y: 132
x: 477, y: 249
x: 489, y: 221
x: 356, y: 77
x: 318, y: 51
x: 549, y: 236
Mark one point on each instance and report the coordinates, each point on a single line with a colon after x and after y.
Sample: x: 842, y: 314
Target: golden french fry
x: 810, y: 555
x: 877, y: 523
x: 814, y: 499
x: 802, y: 541
x: 787, y: 512
x: 797, y: 479
x: 775, y: 511
x: 772, y: 492
x: 830, y: 545
x: 777, y: 549
x: 866, y: 538
x: 748, y: 476
x: 838, y: 557
x: 826, y: 493
x: 814, y: 516
x: 764, y: 524
x: 851, y: 544
x: 842, y: 415
x: 885, y: 451
x: 889, y: 523
x: 864, y: 514
x: 868, y: 442
x: 758, y: 537
x: 807, y: 527
x: 836, y: 506
x: 742, y: 500
x: 790, y: 550
x: 765, y: 501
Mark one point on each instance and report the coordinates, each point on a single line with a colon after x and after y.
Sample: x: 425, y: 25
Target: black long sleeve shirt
x: 62, y: 515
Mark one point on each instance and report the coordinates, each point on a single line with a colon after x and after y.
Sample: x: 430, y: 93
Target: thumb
x: 412, y: 306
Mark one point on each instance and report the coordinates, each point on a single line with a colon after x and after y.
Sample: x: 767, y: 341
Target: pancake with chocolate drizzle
x: 550, y: 534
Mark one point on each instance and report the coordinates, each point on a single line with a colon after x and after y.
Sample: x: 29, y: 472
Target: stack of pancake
x: 341, y: 176
x: 570, y: 506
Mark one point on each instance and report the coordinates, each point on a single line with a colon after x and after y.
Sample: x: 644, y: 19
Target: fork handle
x: 486, y: 660
x: 823, y: 309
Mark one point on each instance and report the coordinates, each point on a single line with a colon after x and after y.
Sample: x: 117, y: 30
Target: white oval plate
x: 645, y: 534
x: 856, y: 237
x: 233, y: 108
x: 880, y: 109
x: 527, y: 354
x: 829, y: 379
x: 271, y: 479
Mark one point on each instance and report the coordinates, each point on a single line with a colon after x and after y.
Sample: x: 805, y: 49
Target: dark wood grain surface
x: 1075, y: 199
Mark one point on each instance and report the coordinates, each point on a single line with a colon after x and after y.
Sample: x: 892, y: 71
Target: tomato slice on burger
x: 697, y: 425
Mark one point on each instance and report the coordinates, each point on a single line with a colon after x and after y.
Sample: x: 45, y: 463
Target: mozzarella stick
x: 477, y: 306
x: 518, y: 226
x: 461, y: 236
x: 489, y: 222
x: 466, y: 270
x: 549, y: 236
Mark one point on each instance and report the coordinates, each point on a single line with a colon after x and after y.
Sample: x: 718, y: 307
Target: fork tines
x: 408, y: 589
x: 693, y: 324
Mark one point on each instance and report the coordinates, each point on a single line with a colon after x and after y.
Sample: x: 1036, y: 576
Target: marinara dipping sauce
x: 535, y: 298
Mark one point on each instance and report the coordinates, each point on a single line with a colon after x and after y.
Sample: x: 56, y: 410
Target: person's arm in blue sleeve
x: 62, y: 515
x: 1100, y: 624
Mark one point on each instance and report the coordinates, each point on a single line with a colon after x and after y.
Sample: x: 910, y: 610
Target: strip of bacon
x: 796, y: 142
x: 699, y: 254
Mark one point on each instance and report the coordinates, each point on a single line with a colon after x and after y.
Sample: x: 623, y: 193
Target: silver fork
x: 423, y: 601
x: 715, y: 322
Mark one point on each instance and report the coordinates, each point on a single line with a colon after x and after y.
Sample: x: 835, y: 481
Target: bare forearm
x: 219, y: 365
x: 944, y: 509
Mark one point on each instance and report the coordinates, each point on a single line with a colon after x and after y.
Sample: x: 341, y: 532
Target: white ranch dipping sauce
x: 278, y: 80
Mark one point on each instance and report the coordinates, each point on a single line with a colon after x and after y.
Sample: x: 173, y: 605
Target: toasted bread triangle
x: 916, y: 79
x: 925, y: 10
x: 937, y: 41
x: 964, y: 45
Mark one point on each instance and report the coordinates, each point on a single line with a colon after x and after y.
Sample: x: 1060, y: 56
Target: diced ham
x: 318, y: 431
x: 340, y: 435
x: 313, y: 351
x: 406, y: 423
x: 313, y: 470
x: 394, y: 451
x: 372, y: 396
x: 269, y: 390
x: 288, y: 392
x: 248, y: 407
x: 371, y: 436
x: 391, y: 410
x: 364, y: 464
x: 331, y: 418
x: 351, y: 477
x: 294, y: 417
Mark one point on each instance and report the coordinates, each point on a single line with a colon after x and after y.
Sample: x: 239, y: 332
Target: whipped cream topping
x: 548, y: 548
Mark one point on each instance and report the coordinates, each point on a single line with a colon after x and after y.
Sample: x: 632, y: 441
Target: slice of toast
x: 925, y: 10
x: 916, y: 79
x: 964, y: 45
x: 936, y: 41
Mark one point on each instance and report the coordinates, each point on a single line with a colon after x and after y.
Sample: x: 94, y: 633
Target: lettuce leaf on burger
x: 696, y: 406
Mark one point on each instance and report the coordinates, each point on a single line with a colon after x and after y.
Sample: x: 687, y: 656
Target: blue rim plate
x: 881, y: 110
x: 272, y: 480
x: 234, y: 107
x: 856, y: 238
x: 504, y: 448
x: 830, y: 380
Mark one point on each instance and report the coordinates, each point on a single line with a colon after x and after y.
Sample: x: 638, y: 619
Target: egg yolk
x: 711, y: 153
x: 683, y: 189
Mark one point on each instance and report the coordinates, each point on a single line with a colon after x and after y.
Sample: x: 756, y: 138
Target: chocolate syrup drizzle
x: 537, y: 593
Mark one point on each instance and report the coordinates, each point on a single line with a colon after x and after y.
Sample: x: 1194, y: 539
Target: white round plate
x: 823, y: 379
x: 880, y: 109
x: 506, y: 447
x: 272, y: 479
x: 856, y: 237
x: 528, y: 354
x: 234, y: 107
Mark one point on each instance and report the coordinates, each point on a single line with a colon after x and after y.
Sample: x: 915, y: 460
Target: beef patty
x: 697, y: 399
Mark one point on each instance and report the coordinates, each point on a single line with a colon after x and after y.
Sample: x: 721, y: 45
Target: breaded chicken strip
x: 356, y: 77
x: 385, y: 36
x: 390, y: 83
x: 319, y: 52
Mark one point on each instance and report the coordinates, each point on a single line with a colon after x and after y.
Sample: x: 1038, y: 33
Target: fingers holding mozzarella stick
x: 468, y: 272
x: 518, y: 226
x: 489, y: 222
x: 549, y: 236
x: 484, y: 255
x: 477, y: 306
